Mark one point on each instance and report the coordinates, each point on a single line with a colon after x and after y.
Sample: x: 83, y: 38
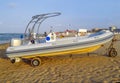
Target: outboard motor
x: 16, y: 42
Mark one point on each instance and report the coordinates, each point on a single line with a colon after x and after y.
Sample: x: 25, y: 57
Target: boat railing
x: 36, y: 21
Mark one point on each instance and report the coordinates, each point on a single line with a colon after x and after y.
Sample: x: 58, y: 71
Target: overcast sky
x: 15, y: 14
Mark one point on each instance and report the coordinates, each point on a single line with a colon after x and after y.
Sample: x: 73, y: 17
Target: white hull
x: 60, y: 45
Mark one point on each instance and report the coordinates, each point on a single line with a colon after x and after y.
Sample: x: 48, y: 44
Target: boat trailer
x: 112, y: 52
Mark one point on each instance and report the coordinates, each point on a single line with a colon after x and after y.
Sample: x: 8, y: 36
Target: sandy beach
x: 80, y: 68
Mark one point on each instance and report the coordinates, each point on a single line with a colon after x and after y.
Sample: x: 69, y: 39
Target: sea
x: 6, y: 37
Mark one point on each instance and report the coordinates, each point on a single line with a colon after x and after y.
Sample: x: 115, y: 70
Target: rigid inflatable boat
x: 33, y: 49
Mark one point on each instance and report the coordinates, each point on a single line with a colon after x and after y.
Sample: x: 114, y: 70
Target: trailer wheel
x: 13, y: 61
x: 112, y: 52
x: 35, y: 62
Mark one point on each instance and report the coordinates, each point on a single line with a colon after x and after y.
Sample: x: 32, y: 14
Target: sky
x: 75, y: 14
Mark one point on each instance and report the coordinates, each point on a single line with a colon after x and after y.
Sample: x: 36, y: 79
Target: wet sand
x: 95, y: 68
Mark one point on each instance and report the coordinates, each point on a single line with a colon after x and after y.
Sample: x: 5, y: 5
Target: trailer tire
x: 112, y: 52
x: 35, y: 62
x: 13, y: 61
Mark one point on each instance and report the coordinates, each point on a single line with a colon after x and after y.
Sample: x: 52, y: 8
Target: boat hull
x: 75, y: 51
x: 60, y: 47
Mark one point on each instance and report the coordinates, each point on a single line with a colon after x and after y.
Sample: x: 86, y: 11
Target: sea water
x: 6, y: 37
